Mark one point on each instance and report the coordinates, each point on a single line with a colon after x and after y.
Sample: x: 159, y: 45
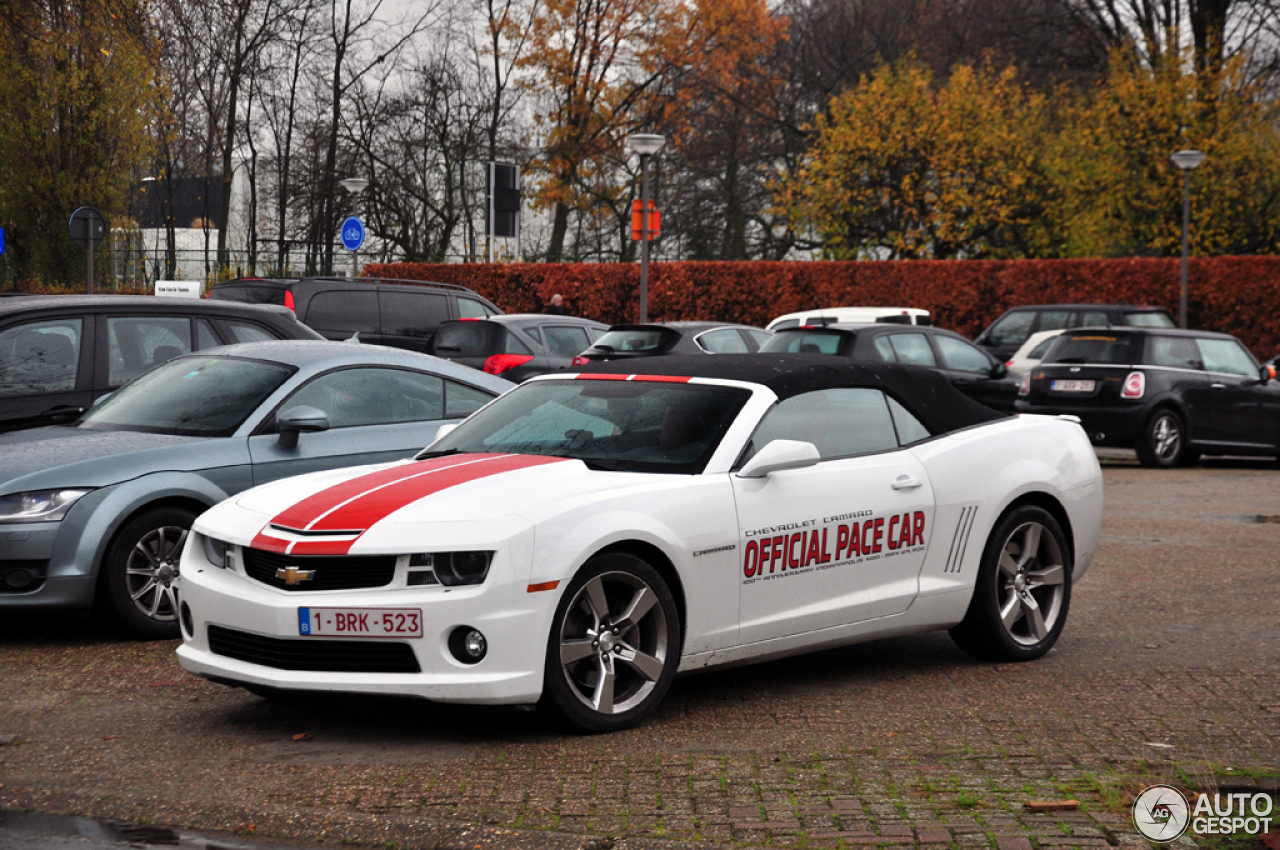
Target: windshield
x: 630, y: 426
x: 1112, y: 349
x: 199, y: 396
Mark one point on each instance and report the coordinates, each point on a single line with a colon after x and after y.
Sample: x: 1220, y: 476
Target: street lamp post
x: 1188, y: 161
x: 355, y: 185
x: 645, y: 144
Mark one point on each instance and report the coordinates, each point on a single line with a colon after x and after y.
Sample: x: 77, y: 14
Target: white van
x: 852, y: 316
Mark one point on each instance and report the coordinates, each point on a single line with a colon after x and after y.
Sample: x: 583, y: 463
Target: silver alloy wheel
x: 1166, y: 437
x: 151, y: 572
x: 1030, y: 583
x: 614, y: 642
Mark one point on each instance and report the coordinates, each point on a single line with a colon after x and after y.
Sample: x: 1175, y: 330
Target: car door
x: 128, y: 345
x: 376, y: 414
x: 1183, y: 377
x: 975, y: 373
x: 841, y: 541
x: 46, y: 371
x: 1239, y: 404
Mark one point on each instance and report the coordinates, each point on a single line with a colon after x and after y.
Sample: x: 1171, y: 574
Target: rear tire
x: 1023, y: 590
x: 1163, y: 442
x: 614, y: 645
x: 139, y: 585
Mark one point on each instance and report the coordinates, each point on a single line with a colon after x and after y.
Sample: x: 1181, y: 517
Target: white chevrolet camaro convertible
x: 583, y: 538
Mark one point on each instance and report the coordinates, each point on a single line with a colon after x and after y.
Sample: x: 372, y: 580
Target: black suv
x: 1007, y: 334
x: 515, y: 346
x: 59, y: 353
x: 970, y: 369
x: 399, y: 313
x: 1171, y: 395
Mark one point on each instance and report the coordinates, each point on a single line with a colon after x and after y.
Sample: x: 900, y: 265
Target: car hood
x: 64, y: 456
x: 335, y: 512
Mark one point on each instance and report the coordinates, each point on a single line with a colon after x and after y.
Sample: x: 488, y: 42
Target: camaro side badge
x: 294, y: 576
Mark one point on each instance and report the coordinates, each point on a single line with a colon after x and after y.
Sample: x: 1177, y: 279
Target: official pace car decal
x: 341, y: 513
x: 793, y: 548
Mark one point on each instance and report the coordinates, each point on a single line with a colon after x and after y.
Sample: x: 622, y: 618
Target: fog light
x: 18, y: 579
x: 468, y: 645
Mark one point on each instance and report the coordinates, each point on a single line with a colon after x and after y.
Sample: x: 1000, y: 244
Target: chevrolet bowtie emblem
x: 293, y: 575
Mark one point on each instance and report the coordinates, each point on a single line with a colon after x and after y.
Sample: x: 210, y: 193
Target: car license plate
x: 360, y: 622
x: 1072, y: 386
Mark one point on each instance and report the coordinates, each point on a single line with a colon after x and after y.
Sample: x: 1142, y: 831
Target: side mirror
x: 999, y: 370
x: 295, y: 420
x: 1267, y: 374
x: 780, y: 455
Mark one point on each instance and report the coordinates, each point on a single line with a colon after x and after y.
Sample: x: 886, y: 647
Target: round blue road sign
x: 352, y: 233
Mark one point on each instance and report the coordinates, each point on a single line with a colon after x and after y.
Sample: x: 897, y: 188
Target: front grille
x: 314, y: 654
x: 338, y: 572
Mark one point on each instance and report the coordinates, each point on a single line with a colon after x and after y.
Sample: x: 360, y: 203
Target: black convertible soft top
x: 925, y: 392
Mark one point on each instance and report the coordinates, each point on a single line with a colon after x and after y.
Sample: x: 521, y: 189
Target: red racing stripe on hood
x: 359, y: 503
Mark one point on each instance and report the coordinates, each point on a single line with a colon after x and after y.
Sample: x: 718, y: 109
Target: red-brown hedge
x: 1233, y: 294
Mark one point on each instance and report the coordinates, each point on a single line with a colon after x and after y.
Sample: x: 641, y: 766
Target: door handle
x: 906, y: 482
x: 1217, y: 386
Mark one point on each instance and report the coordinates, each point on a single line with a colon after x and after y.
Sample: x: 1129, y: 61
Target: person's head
x: 557, y: 299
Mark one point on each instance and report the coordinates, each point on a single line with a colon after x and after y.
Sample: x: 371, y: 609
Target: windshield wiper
x: 440, y: 453
x: 605, y: 465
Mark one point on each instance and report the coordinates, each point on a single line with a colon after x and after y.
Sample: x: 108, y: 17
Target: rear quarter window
x: 249, y: 294
x: 343, y: 311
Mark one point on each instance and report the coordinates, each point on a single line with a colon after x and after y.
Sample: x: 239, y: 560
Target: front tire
x: 1163, y: 442
x: 140, y: 574
x: 1023, y: 589
x: 614, y: 645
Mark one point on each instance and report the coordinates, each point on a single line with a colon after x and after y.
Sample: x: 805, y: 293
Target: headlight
x: 453, y: 568
x: 38, y: 505
x: 216, y: 552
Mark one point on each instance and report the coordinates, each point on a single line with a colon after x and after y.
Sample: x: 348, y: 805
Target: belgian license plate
x: 360, y: 622
x: 1072, y: 386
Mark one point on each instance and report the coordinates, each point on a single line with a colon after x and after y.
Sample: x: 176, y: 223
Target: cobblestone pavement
x: 1169, y: 670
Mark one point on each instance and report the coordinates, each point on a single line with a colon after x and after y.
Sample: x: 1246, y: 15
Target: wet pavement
x: 1168, y: 670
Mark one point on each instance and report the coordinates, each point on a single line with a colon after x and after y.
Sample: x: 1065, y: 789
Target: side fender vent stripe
x: 960, y: 541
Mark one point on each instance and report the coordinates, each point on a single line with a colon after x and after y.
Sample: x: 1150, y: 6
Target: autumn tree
x: 904, y: 168
x: 1117, y: 194
x: 721, y: 106
x: 77, y: 89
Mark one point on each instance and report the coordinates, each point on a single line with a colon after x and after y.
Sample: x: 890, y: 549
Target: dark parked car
x: 1006, y: 334
x: 399, y: 313
x: 516, y: 346
x: 96, y: 513
x: 59, y: 353
x: 970, y: 369
x: 1172, y: 395
x: 649, y: 340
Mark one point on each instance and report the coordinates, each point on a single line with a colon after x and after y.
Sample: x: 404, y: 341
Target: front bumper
x: 514, y: 621
x: 44, y: 565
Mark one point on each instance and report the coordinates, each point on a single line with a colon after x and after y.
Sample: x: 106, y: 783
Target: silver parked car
x: 95, y: 514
